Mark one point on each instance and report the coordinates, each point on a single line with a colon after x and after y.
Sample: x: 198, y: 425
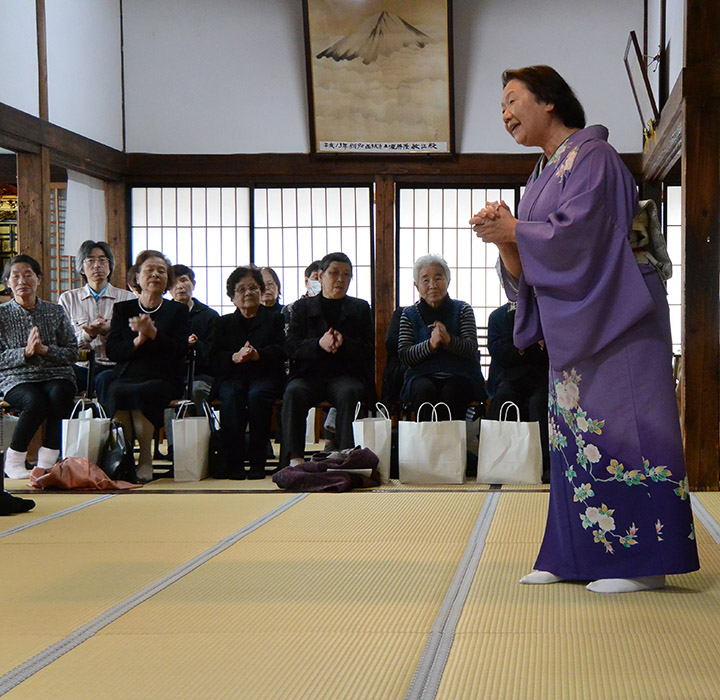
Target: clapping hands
x: 247, y: 353
x: 331, y: 341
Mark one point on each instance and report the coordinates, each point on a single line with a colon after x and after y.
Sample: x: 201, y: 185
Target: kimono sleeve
x: 578, y: 267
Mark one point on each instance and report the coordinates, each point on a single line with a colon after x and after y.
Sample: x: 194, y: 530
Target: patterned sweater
x: 55, y: 332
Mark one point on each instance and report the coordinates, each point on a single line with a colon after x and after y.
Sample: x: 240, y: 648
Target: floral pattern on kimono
x: 571, y: 431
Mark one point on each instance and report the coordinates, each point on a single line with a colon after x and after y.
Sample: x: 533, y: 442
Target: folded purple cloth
x: 313, y: 475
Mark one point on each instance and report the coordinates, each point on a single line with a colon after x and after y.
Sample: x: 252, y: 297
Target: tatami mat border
x: 52, y: 516
x: 428, y: 674
x: 703, y: 515
x: 22, y: 672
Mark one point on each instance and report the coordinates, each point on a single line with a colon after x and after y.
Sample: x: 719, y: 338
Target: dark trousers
x: 103, y: 377
x: 49, y: 401
x: 247, y: 401
x: 456, y: 392
x: 533, y: 404
x: 302, y: 393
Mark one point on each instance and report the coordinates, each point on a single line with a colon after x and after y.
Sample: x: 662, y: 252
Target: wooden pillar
x: 116, y: 230
x: 385, y: 269
x: 701, y: 243
x: 33, y: 182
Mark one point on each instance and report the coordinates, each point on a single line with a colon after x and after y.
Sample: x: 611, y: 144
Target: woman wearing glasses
x: 249, y: 360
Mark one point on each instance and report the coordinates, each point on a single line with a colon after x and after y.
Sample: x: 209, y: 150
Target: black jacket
x: 307, y: 325
x: 266, y: 334
x: 202, y: 324
x: 162, y: 358
x: 507, y: 363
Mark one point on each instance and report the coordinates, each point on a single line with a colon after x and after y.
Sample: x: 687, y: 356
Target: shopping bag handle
x: 420, y: 407
x: 211, y: 416
x: 358, y: 406
x: 441, y: 403
x: 506, y: 407
x: 182, y: 408
x: 382, y: 410
x: 81, y: 405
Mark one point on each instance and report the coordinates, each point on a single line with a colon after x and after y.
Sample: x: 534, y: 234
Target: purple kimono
x: 619, y: 504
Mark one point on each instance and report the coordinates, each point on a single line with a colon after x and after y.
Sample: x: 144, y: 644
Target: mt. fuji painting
x: 379, y: 76
x: 381, y: 36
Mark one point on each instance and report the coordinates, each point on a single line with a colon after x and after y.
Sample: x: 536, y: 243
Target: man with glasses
x: 90, y: 310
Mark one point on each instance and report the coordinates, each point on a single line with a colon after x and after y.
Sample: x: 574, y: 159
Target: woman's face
x: 247, y: 296
x: 526, y: 120
x: 432, y: 285
x: 271, y: 293
x: 153, y: 276
x: 23, y: 283
x: 335, y: 280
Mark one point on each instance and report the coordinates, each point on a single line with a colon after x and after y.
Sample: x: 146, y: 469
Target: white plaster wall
x: 228, y: 76
x: 654, y: 47
x: 582, y: 39
x: 675, y: 33
x: 85, y: 68
x: 215, y: 76
x: 18, y: 56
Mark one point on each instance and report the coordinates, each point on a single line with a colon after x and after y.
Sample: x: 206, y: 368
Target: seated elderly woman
x: 273, y: 289
x: 248, y: 358
x: 37, y: 352
x: 148, y: 340
x: 438, y: 343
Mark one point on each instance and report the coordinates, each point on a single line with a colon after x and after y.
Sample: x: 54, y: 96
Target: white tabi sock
x: 626, y: 585
x: 47, y: 457
x: 15, y: 464
x: 540, y: 577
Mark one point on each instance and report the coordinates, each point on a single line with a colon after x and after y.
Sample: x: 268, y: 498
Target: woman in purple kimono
x: 619, y: 511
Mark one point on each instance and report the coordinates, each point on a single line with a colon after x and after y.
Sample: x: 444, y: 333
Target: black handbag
x: 217, y: 461
x: 116, y: 460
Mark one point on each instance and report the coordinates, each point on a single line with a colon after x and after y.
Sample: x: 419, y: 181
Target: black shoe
x: 257, y: 474
x: 10, y: 504
x: 237, y: 474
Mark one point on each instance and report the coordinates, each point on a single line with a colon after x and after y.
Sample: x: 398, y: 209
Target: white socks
x: 603, y: 585
x: 47, y: 457
x: 540, y: 577
x: 296, y: 461
x: 15, y: 464
x: 626, y: 585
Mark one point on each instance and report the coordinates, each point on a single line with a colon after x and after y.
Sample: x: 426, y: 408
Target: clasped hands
x: 247, y: 353
x: 34, y: 345
x: 100, y: 326
x: 439, y: 336
x: 495, y: 223
x: 145, y: 328
x: 331, y: 341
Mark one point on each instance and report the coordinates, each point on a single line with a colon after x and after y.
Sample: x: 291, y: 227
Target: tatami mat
x: 563, y: 642
x: 340, y: 583
x: 334, y: 599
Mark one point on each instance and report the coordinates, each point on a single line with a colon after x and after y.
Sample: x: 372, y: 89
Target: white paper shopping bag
x: 85, y: 433
x: 191, y: 446
x: 432, y: 452
x: 509, y: 452
x: 376, y: 435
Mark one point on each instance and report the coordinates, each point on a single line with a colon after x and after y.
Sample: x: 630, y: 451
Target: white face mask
x: 313, y: 287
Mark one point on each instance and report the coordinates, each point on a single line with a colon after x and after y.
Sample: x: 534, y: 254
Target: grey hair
x: 425, y: 260
x: 84, y: 252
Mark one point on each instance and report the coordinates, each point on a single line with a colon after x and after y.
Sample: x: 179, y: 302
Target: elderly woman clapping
x: 37, y: 352
x: 148, y: 340
x: 438, y: 343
